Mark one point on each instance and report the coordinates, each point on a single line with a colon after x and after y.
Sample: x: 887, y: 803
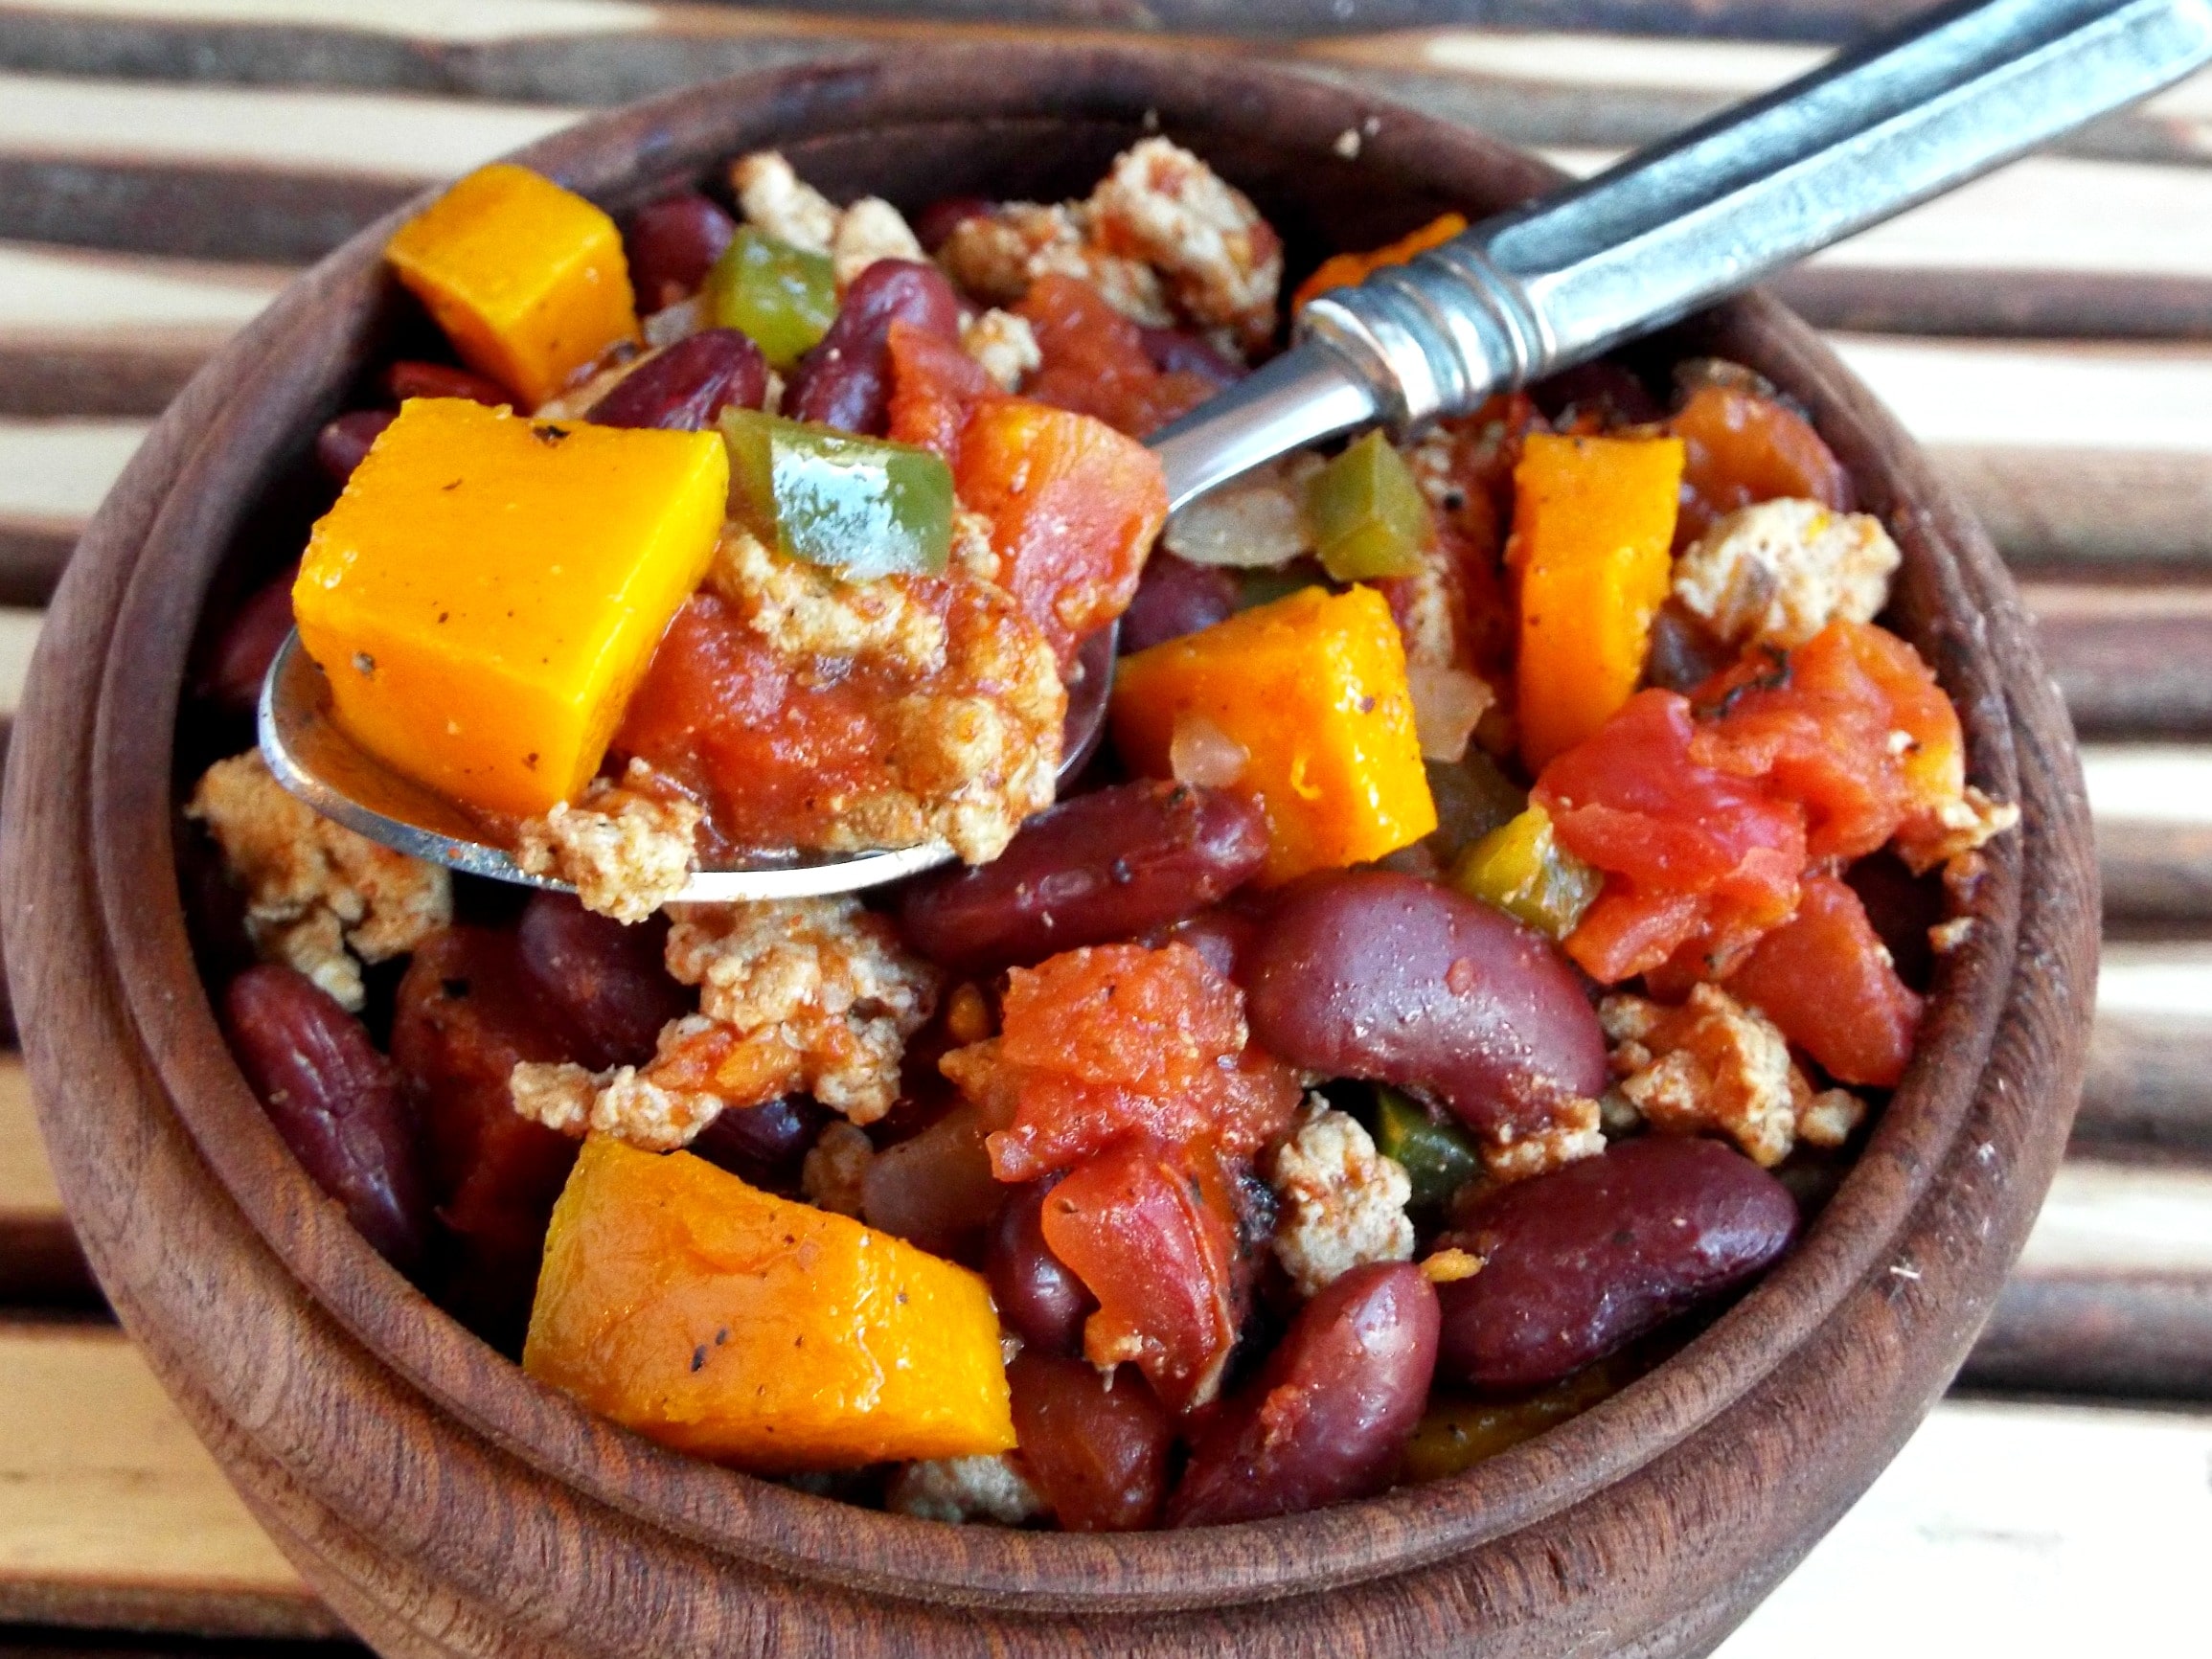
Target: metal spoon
x: 1877, y: 130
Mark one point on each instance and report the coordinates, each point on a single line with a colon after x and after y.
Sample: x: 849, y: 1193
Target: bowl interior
x: 1037, y: 124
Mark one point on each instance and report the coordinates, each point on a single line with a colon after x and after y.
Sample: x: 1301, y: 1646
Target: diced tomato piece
x: 1817, y: 725
x: 1742, y: 448
x: 1825, y: 979
x: 1074, y: 509
x: 1094, y: 361
x: 1152, y: 1231
x: 1690, y: 853
x: 1100, y: 1042
x: 467, y: 1012
x: 934, y: 385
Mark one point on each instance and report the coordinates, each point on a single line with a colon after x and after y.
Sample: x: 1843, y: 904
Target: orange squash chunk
x: 1345, y: 271
x: 528, y: 280
x: 1313, y: 688
x: 488, y: 591
x: 754, y: 1331
x: 1593, y: 525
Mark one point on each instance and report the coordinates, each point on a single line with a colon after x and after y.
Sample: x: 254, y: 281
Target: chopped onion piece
x: 1447, y: 703
x: 1200, y: 752
x: 1249, y: 522
x: 677, y: 322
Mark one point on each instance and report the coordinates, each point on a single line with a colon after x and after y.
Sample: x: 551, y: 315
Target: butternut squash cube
x: 1593, y: 524
x: 528, y: 280
x: 754, y: 1331
x: 1311, y: 690
x: 488, y: 591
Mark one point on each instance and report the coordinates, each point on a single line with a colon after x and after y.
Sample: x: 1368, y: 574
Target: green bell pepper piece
x: 861, y: 506
x: 1367, y: 514
x: 1521, y: 869
x: 786, y: 298
x: 1438, y: 1158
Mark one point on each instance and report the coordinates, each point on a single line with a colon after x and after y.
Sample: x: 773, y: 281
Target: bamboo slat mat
x: 167, y: 164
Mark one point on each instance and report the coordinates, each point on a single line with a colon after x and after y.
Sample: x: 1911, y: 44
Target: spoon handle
x: 1876, y: 130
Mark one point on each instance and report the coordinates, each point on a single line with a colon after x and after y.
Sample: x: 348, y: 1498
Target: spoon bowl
x: 314, y: 759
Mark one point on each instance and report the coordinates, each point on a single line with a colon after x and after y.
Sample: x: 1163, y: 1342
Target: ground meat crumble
x: 1341, y: 1203
x: 626, y: 849
x: 1712, y: 1066
x: 813, y: 995
x: 1778, y: 571
x: 1163, y: 238
x: 319, y: 898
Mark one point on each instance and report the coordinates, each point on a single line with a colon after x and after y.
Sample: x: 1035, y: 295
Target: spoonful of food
x: 1556, y: 281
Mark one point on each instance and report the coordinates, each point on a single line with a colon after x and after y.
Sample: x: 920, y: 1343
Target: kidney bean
x: 672, y: 244
x: 935, y: 1188
x: 343, y: 444
x: 1096, y: 1447
x: 1683, y: 654
x: 845, y: 381
x: 1606, y: 389
x: 1902, y: 908
x: 1330, y: 1412
x: 684, y: 388
x: 408, y: 378
x: 239, y: 662
x: 1108, y: 865
x: 763, y: 1144
x: 1583, y: 1260
x: 1220, y: 936
x: 1038, y: 1299
x: 605, y: 978
x: 1175, y: 598
x: 934, y: 224
x: 1173, y: 351
x: 466, y: 1012
x: 335, y: 1101
x: 1378, y: 975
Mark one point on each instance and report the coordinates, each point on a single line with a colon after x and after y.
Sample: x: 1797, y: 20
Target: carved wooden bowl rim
x: 99, y: 945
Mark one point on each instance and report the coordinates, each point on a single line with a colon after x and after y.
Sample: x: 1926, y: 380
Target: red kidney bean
x: 1683, y: 655
x: 1583, y: 1260
x: 1613, y: 393
x: 1220, y: 936
x: 1038, y: 1299
x: 1096, y: 1447
x: 1901, y: 907
x: 845, y: 381
x: 935, y: 1188
x: 344, y: 443
x: 684, y: 388
x: 465, y: 1015
x: 239, y: 662
x: 606, y: 978
x: 763, y: 1144
x: 1175, y: 598
x: 934, y: 224
x: 1103, y: 866
x: 1330, y: 1412
x: 1374, y: 975
x: 1173, y: 351
x: 672, y: 244
x: 409, y: 378
x: 335, y: 1101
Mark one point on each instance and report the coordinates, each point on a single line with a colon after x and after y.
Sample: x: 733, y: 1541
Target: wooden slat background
x: 167, y: 164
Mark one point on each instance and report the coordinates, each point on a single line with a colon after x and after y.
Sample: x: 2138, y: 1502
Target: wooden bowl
x: 445, y: 1504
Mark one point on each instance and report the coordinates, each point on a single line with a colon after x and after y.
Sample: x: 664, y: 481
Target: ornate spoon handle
x: 1879, y: 129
